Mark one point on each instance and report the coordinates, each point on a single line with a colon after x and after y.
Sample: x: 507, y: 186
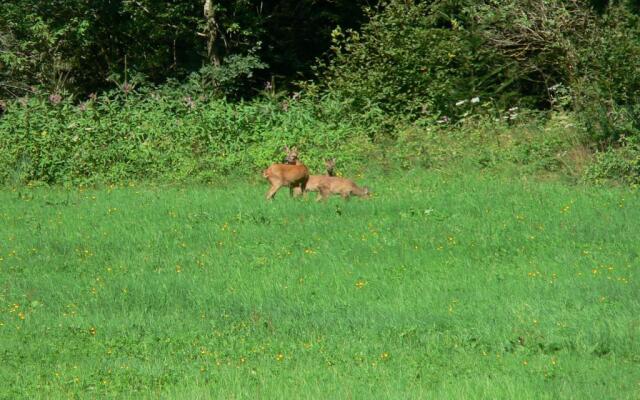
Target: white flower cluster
x: 472, y: 101
x: 512, y: 114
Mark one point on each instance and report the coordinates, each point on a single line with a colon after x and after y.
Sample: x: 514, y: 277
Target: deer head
x: 292, y: 155
x: 330, y: 165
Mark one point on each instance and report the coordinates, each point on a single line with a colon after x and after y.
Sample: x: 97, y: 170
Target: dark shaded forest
x: 86, y: 46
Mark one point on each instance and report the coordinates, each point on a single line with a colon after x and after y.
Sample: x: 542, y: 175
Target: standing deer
x: 294, y: 174
x: 292, y: 155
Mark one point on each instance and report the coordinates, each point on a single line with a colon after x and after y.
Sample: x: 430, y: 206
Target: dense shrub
x: 165, y: 134
x: 79, y: 45
x: 403, y: 62
x: 536, y: 142
x: 420, y: 58
x: 619, y: 164
x: 607, y: 93
x: 421, y: 62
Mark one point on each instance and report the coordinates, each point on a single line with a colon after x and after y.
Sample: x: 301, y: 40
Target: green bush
x: 417, y: 59
x: 167, y: 135
x: 232, y: 79
x: 607, y: 93
x: 619, y: 164
x: 529, y: 142
x: 402, y: 63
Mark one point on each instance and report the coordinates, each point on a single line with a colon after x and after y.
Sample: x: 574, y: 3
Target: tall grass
x: 166, y: 135
x: 441, y: 286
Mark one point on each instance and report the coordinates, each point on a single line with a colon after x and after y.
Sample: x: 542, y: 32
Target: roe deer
x: 330, y: 165
x: 314, y: 180
x: 328, y: 185
x: 294, y: 174
x: 292, y: 155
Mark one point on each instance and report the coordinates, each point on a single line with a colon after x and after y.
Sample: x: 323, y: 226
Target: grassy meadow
x: 439, y: 286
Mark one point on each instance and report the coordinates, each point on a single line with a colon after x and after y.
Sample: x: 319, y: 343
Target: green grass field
x: 439, y: 286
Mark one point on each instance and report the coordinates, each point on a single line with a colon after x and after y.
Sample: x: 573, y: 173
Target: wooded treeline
x: 85, y: 46
x: 516, y: 49
x: 366, y: 72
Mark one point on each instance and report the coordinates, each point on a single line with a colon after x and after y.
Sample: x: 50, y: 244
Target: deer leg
x: 323, y: 193
x: 298, y: 187
x: 272, y: 191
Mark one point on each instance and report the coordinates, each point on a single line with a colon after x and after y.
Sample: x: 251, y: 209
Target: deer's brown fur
x: 329, y: 184
x: 294, y: 174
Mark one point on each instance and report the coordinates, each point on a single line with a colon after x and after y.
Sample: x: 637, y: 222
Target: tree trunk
x: 212, y: 32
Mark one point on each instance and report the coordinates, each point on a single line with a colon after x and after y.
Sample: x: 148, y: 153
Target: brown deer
x: 314, y: 180
x: 329, y: 184
x: 292, y: 155
x: 294, y: 174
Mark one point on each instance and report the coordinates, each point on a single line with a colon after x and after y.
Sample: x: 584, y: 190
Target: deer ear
x: 295, y: 148
x: 286, y: 148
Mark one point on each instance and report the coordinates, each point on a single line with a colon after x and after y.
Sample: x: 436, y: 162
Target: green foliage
x: 539, y: 155
x: 171, y: 134
x: 619, y: 164
x: 527, y: 143
x: 76, y: 45
x: 421, y: 62
x: 421, y: 58
x: 402, y: 63
x: 455, y: 288
x: 394, y: 92
x: 606, y: 120
x: 536, y: 44
x: 607, y: 94
x: 165, y: 134
x: 29, y: 51
x: 231, y: 79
